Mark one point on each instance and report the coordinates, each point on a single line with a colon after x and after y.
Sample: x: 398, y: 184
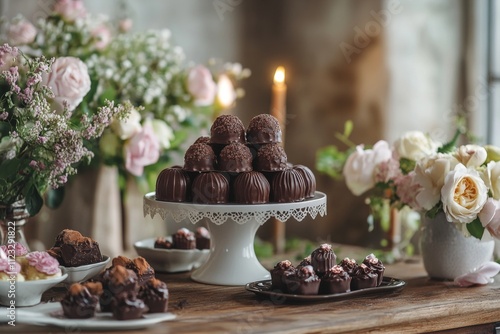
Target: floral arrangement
x: 42, y: 141
x: 425, y: 175
x: 172, y: 99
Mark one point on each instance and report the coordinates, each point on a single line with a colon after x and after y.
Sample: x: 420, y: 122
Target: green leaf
x: 330, y: 160
x: 348, y: 127
x: 34, y: 201
x: 434, y: 211
x: 449, y: 146
x: 406, y: 165
x: 475, y: 228
x: 55, y: 197
x: 9, y: 167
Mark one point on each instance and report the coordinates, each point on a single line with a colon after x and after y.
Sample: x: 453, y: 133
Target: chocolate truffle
x: 282, y: 268
x: 142, y: 269
x: 210, y: 188
x: 349, y: 265
x: 72, y: 249
x: 183, y: 239
x: 79, y: 303
x: 122, y: 281
x: 335, y: 280
x: 199, y: 158
x: 162, y: 242
x: 155, y: 295
x: 270, y: 158
x: 287, y: 186
x: 202, y: 238
x: 322, y: 259
x: 128, y: 308
x: 303, y: 281
x: 376, y: 265
x: 363, y: 277
x: 251, y: 188
x: 264, y: 129
x: 202, y: 140
x: 235, y: 157
x: 173, y: 185
x: 305, y: 262
x: 227, y: 129
x: 95, y: 288
x: 309, y: 180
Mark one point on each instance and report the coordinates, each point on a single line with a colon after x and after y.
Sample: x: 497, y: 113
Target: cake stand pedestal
x: 232, y: 259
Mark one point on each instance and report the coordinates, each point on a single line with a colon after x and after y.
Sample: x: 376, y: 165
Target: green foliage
x: 475, y: 228
x: 330, y: 160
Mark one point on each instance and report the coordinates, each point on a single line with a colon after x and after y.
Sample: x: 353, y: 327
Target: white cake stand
x: 232, y: 259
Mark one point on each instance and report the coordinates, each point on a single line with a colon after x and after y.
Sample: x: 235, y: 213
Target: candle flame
x: 279, y: 75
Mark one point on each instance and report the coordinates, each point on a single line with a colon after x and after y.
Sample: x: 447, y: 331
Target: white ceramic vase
x: 447, y: 253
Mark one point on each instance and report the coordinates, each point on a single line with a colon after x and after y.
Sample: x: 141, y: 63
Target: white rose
x: 69, y: 81
x: 21, y: 32
x: 128, y: 127
x: 463, y: 194
x: 415, y: 145
x: 359, y: 169
x: 491, y: 177
x: 493, y: 153
x: 471, y: 155
x: 163, y: 132
x: 430, y: 174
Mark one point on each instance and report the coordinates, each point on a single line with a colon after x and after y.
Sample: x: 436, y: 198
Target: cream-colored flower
x: 430, y: 174
x: 463, y: 194
x: 415, y: 145
x: 163, y: 132
x: 471, y: 155
x: 126, y: 128
x: 491, y: 176
x: 493, y: 153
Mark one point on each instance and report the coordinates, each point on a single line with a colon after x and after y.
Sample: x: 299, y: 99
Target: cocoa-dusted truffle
x: 122, y: 281
x: 227, y: 129
x: 210, y: 188
x: 199, y: 158
x: 303, y: 281
x: 155, y: 295
x: 376, y: 265
x: 264, y: 129
x: 173, y: 185
x: 183, y: 239
x: 72, y: 249
x: 287, y: 186
x: 322, y: 259
x: 363, y: 277
x: 128, y: 308
x: 251, y: 188
x: 349, y: 265
x: 309, y: 179
x: 79, y: 303
x: 270, y: 158
x: 142, y: 269
x: 282, y: 268
x: 335, y: 280
x: 202, y: 238
x: 235, y: 157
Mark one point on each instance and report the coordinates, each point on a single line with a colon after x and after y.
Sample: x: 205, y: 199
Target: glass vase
x: 12, y: 220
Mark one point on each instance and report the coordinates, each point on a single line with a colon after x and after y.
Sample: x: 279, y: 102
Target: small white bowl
x: 26, y: 293
x: 86, y: 272
x: 170, y: 260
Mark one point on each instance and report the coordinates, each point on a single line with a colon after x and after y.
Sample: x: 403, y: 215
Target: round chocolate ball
x: 288, y: 186
x: 251, y: 188
x: 202, y: 140
x: 199, y: 158
x: 270, y: 158
x: 210, y: 188
x: 264, y: 129
x: 227, y: 129
x: 235, y: 157
x: 309, y: 179
x: 173, y: 185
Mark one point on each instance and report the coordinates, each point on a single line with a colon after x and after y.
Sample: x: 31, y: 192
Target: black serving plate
x: 263, y: 288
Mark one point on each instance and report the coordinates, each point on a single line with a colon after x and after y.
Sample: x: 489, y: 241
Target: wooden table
x: 423, y: 305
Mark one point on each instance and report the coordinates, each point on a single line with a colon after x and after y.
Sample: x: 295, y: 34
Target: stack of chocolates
x: 320, y: 273
x: 185, y: 239
x: 238, y: 165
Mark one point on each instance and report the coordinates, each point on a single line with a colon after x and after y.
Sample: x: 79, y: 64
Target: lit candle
x: 226, y: 95
x: 278, y: 100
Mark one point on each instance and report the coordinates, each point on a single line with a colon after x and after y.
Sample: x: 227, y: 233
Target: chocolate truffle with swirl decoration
x: 287, y: 186
x: 251, y: 188
x: 363, y: 277
x: 173, y: 185
x: 309, y: 179
x: 303, y: 281
x: 282, y: 268
x: 210, y: 188
x: 335, y: 280
x: 376, y: 265
x: 323, y: 258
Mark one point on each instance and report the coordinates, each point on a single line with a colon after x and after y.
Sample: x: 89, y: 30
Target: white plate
x: 27, y: 293
x: 170, y: 260
x: 52, y: 314
x: 86, y: 272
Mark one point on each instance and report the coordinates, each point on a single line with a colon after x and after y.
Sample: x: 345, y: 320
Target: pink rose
x: 125, y: 25
x: 21, y: 32
x: 359, y: 169
x: 406, y: 189
x: 102, y: 35
x: 70, y: 10
x: 69, y: 80
x: 143, y: 149
x: 201, y: 85
x: 490, y: 217
x: 482, y: 275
